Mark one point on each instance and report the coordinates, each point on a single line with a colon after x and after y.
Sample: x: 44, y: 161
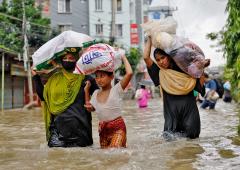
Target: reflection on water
x: 23, y: 145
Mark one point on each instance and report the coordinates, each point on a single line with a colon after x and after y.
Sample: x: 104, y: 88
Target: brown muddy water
x: 23, y: 145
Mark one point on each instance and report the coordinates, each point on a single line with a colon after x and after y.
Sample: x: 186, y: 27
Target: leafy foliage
x: 231, y: 40
x: 232, y: 34
x: 11, y: 15
x: 133, y: 56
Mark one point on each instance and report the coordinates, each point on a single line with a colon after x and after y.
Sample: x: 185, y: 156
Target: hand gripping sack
x: 98, y: 57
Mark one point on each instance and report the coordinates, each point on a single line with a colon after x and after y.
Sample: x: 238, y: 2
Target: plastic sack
x: 162, y: 40
x: 187, y: 55
x: 167, y: 24
x: 99, y: 57
x: 57, y: 47
x: 190, y: 58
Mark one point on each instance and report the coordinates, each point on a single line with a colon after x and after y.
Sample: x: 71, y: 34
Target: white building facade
x: 160, y: 9
x: 100, y: 20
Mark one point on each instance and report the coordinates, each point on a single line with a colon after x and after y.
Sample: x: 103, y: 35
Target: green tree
x: 231, y: 41
x: 11, y: 14
x: 133, y: 56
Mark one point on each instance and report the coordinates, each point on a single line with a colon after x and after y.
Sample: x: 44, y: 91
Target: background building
x: 100, y: 21
x: 158, y: 10
x: 70, y: 15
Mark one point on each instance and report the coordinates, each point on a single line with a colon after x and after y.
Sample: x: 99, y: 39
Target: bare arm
x: 38, y: 84
x: 127, y: 77
x: 88, y: 105
x: 147, y: 51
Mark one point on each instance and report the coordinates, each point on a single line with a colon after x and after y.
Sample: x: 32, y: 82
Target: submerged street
x: 23, y: 144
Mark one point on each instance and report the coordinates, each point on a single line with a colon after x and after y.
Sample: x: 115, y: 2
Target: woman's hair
x: 206, y: 75
x: 160, y: 52
x: 142, y: 86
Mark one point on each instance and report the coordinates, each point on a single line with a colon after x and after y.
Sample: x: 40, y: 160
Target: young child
x: 107, y: 103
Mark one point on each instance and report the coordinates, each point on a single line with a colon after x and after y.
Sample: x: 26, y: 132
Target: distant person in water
x: 227, y: 97
x: 142, y: 95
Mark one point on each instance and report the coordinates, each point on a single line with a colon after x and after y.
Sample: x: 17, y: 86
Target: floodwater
x: 23, y: 145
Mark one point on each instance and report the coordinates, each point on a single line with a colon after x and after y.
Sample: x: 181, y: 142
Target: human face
x: 103, y: 79
x: 162, y: 61
x: 69, y: 62
x: 69, y: 58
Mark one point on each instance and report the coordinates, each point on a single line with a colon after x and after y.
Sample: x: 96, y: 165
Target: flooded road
x: 23, y: 145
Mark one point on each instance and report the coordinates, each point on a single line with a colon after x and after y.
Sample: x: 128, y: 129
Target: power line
x: 18, y: 19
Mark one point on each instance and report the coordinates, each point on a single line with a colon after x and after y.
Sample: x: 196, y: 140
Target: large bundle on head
x: 54, y: 49
x: 168, y: 25
x: 190, y: 58
x: 99, y: 57
x: 187, y: 55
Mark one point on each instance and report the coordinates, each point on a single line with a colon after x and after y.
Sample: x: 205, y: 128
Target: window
x: 64, y: 6
x: 64, y: 27
x: 119, y: 31
x: 98, y: 5
x: 99, y: 29
x: 146, y: 2
x: 119, y: 5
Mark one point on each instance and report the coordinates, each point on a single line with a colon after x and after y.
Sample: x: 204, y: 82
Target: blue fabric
x: 207, y: 103
x: 211, y: 85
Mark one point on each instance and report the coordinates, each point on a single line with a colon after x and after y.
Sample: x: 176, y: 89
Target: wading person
x: 67, y: 122
x: 180, y: 109
x: 107, y: 104
x: 211, y: 97
x: 142, y: 95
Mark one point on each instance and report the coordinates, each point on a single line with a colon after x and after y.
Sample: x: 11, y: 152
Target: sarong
x: 113, y: 133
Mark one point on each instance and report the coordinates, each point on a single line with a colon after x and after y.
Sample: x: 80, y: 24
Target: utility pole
x: 113, y: 27
x: 170, y: 10
x: 27, y: 66
x: 3, y: 74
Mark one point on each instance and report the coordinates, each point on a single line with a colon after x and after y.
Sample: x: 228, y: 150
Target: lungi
x: 112, y: 133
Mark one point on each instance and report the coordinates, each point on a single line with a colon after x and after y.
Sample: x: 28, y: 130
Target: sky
x: 196, y: 18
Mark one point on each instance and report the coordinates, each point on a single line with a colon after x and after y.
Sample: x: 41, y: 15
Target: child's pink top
x: 143, y: 99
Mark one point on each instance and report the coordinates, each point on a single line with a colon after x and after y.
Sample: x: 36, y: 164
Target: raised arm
x: 147, y: 51
x: 127, y: 77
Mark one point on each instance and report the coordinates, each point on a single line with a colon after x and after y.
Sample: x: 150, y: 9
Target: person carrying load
x: 180, y: 109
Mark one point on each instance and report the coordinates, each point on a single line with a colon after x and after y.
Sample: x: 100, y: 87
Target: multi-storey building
x: 70, y: 15
x: 160, y: 9
x: 138, y: 15
x: 100, y: 20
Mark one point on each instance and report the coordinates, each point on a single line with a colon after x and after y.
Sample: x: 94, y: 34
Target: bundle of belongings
x: 99, y: 57
x: 53, y: 50
x: 187, y: 55
x: 90, y: 54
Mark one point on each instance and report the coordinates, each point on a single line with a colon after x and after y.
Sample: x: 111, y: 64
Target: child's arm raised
x: 127, y: 77
x: 147, y: 51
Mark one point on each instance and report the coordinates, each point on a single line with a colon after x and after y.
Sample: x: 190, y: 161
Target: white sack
x: 58, y: 44
x: 99, y: 57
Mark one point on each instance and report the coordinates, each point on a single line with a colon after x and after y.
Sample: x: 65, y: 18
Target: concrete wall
x: 78, y: 17
x: 105, y: 17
